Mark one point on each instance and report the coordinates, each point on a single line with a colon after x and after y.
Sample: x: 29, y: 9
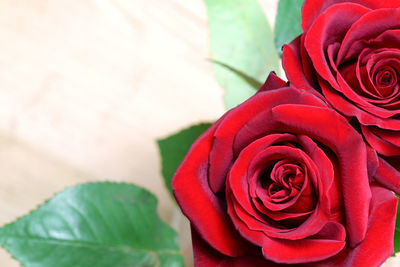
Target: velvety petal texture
x: 349, y: 56
x: 273, y: 182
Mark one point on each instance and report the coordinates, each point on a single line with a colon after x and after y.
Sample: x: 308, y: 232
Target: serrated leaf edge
x: 153, y: 254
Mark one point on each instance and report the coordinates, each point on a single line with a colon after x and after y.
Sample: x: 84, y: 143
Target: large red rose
x: 283, y: 179
x: 350, y: 53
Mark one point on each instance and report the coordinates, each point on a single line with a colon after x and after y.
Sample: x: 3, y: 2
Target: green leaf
x: 288, y: 22
x: 397, y: 231
x: 95, y: 224
x: 174, y: 148
x: 242, y: 39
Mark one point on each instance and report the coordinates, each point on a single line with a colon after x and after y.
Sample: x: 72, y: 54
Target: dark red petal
x: 377, y: 245
x: 325, y: 169
x: 273, y: 82
x: 261, y: 123
x: 392, y: 137
x: 381, y: 144
x: 250, y: 160
x: 281, y: 215
x: 369, y: 26
x: 313, y: 8
x: 330, y: 27
x: 373, y: 161
x: 297, y: 251
x: 330, y: 242
x: 362, y: 102
x: 234, y: 209
x: 203, y: 208
x: 205, y: 256
x: 292, y: 64
x: 364, y: 83
x: 329, y: 128
x: 241, y: 206
x: 349, y: 109
x: 388, y: 176
x: 252, y: 116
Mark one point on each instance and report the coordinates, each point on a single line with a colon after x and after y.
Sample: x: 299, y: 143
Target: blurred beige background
x: 86, y: 86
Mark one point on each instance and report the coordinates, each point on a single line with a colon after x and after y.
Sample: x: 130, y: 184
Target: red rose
x: 350, y: 53
x: 283, y: 179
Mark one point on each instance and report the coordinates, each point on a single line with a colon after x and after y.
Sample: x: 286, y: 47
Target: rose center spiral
x: 385, y: 77
x: 286, y: 180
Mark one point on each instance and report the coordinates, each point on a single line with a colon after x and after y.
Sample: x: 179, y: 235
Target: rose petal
x: 240, y: 205
x: 388, y: 176
x: 349, y: 109
x: 273, y: 82
x: 380, y: 232
x: 350, y: 149
x: 331, y: 240
x: 241, y: 126
x: 369, y: 26
x: 381, y: 141
x: 256, y: 125
x: 368, y: 89
x: 296, y: 251
x: 312, y: 9
x: 294, y: 68
x: 250, y: 160
x: 372, y: 161
x: 205, y: 256
x: 330, y: 27
x: 325, y: 169
x: 203, y: 207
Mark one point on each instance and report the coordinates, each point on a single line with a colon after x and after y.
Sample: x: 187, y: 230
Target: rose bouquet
x: 302, y: 172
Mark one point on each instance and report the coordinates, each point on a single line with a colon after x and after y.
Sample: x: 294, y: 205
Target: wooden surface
x: 87, y: 86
